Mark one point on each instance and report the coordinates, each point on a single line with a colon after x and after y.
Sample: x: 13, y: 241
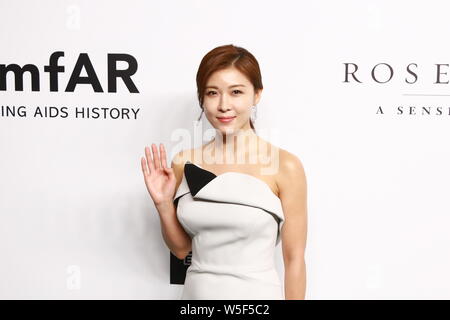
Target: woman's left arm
x: 293, y: 194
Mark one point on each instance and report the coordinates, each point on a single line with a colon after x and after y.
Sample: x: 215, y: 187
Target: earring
x: 253, y: 114
x: 198, y: 120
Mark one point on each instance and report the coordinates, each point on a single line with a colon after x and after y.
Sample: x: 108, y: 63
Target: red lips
x: 226, y: 119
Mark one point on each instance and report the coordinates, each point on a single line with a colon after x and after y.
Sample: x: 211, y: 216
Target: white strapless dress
x: 235, y: 221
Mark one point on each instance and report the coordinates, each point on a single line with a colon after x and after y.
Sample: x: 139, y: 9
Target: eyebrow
x: 234, y: 85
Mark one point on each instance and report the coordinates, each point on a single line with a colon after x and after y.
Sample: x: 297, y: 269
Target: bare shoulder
x: 289, y: 163
x: 181, y: 157
x: 291, y: 176
x: 178, y: 162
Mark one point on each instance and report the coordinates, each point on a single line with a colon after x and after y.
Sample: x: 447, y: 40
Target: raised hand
x: 159, y: 179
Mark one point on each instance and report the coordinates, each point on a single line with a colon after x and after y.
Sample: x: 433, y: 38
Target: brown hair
x: 228, y: 56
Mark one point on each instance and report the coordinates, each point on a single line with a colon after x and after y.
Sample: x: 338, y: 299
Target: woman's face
x: 229, y: 94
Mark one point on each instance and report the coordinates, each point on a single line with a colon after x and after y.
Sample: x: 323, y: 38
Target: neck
x: 233, y: 147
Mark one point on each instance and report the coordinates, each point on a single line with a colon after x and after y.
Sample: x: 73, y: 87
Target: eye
x: 237, y: 91
x: 208, y: 93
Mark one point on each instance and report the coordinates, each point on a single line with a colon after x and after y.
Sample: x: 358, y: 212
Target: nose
x: 223, y: 103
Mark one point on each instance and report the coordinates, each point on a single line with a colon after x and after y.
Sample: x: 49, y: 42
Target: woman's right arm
x: 162, y: 183
x: 176, y: 238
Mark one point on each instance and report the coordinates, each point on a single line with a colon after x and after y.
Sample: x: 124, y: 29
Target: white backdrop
x: 75, y: 218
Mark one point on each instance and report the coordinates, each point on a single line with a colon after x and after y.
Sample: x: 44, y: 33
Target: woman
x: 231, y: 214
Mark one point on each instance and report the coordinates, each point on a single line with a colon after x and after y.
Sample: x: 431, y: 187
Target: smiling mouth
x: 225, y: 119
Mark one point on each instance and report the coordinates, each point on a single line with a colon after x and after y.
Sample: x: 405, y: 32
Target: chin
x: 227, y: 130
